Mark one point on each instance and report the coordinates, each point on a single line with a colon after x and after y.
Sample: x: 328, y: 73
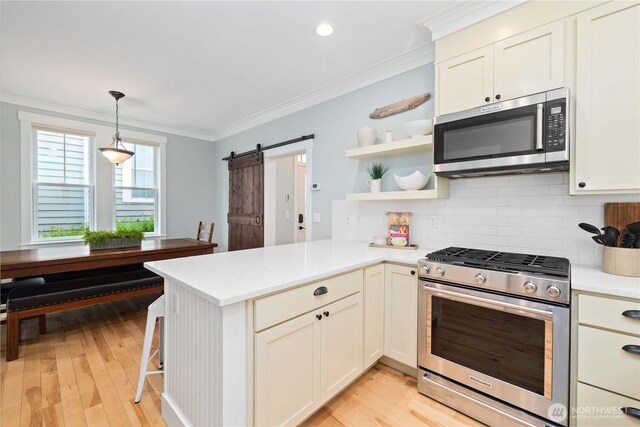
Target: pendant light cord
x: 117, y: 128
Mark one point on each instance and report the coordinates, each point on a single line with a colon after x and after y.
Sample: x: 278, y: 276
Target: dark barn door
x: 246, y: 202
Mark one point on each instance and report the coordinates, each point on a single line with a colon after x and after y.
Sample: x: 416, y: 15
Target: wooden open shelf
x: 393, y: 148
x: 440, y: 192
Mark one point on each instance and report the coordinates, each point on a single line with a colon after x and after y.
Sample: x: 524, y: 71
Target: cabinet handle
x: 582, y: 184
x: 633, y: 349
x: 487, y: 99
x: 326, y: 314
x: 319, y: 316
x: 630, y: 411
x: 321, y: 291
x: 498, y: 96
x: 413, y: 272
x: 632, y: 314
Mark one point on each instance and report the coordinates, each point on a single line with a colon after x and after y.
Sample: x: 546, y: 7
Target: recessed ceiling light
x: 324, y: 29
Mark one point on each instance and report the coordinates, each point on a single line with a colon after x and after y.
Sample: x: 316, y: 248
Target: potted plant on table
x: 376, y: 170
x: 113, y: 239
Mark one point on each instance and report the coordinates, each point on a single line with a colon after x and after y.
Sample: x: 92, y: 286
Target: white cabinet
x: 529, y: 63
x: 518, y: 66
x: 301, y: 363
x: 373, y: 306
x: 465, y: 81
x: 340, y: 345
x: 607, y: 142
x: 401, y: 314
x: 608, y: 371
x: 287, y: 371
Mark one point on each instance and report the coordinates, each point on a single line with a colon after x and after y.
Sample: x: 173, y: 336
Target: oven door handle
x: 491, y: 304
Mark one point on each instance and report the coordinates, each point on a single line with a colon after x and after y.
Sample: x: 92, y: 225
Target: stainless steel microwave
x: 523, y: 135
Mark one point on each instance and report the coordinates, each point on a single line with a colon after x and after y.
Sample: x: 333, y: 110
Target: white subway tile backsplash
x: 523, y: 213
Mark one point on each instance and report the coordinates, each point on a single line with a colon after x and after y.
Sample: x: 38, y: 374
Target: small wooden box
x: 621, y: 261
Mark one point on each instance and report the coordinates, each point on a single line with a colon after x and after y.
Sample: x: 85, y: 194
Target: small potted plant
x: 113, y: 239
x: 376, y: 170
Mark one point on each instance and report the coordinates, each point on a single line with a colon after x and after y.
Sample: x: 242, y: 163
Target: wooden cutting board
x: 619, y: 215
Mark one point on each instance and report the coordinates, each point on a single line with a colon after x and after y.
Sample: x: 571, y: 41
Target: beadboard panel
x: 193, y: 379
x: 521, y: 213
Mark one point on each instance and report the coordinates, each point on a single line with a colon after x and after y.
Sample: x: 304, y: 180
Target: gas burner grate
x: 508, y: 260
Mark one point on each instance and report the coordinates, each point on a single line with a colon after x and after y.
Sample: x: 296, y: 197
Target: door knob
x: 487, y: 99
x: 498, y: 96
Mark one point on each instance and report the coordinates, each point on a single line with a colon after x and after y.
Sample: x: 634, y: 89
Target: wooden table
x: 36, y: 262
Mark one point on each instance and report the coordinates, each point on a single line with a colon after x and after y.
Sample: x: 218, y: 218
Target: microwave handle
x: 539, y: 122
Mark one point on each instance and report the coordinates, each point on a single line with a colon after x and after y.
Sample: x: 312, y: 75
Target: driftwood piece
x: 399, y: 107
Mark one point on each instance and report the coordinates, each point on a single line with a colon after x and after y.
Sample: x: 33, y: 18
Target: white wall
x: 520, y: 213
x: 284, y: 186
x: 190, y: 179
x: 334, y: 124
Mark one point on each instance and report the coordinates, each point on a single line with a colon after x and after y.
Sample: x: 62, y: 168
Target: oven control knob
x: 440, y: 271
x: 530, y: 287
x: 426, y: 268
x: 480, y: 278
x: 553, y: 291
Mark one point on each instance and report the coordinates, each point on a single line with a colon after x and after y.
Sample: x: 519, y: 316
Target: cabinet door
x: 373, y: 314
x: 340, y: 345
x: 529, y: 63
x: 607, y: 145
x: 401, y: 314
x: 601, y: 408
x: 287, y: 372
x: 465, y: 81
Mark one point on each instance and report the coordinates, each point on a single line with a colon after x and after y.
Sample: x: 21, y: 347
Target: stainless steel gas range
x: 493, y: 335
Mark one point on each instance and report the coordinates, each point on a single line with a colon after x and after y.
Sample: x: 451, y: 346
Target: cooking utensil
x: 611, y: 235
x: 599, y: 239
x: 636, y: 242
x: 628, y: 239
x: 589, y: 228
x: 634, y: 227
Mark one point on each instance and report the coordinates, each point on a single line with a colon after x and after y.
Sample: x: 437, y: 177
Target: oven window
x: 495, y: 139
x: 503, y: 345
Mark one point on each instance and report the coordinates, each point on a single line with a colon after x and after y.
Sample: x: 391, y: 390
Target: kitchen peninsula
x: 267, y: 336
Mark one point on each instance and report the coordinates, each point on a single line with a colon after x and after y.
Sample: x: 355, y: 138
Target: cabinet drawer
x: 596, y: 407
x: 277, y: 308
x: 603, y: 363
x: 607, y: 313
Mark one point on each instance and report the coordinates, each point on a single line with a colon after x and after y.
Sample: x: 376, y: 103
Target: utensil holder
x: 621, y: 261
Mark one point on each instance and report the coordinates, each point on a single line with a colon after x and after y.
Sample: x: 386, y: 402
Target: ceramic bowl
x: 418, y: 128
x: 415, y: 181
x: 380, y: 240
x: 366, y: 136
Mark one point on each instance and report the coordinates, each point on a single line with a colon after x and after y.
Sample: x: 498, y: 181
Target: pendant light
x: 116, y: 153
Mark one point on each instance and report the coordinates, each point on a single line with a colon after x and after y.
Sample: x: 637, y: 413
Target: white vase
x: 375, y: 185
x: 366, y: 136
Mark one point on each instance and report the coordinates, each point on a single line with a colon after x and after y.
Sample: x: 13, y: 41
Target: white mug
x: 374, y: 185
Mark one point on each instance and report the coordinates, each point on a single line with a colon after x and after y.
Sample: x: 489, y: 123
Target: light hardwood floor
x: 85, y: 369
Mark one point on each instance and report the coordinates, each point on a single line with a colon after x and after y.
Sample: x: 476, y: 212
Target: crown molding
x: 464, y: 15
x: 398, y: 64
x: 41, y: 105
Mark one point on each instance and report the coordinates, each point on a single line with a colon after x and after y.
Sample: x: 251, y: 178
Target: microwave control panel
x: 556, y: 137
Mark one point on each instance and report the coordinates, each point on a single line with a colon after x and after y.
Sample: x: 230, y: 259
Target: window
x: 67, y: 187
x: 63, y: 185
x: 136, y: 193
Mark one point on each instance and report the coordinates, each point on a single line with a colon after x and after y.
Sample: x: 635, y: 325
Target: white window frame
x: 104, y: 173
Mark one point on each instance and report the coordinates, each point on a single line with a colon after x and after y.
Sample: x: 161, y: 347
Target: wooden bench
x: 72, y: 290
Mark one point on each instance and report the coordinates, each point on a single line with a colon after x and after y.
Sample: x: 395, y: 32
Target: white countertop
x: 229, y: 277
x: 593, y: 279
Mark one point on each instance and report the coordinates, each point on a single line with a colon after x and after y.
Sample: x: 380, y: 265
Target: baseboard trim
x: 172, y: 416
x: 398, y: 366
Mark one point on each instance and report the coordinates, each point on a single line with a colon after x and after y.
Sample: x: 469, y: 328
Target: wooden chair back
x: 205, y: 231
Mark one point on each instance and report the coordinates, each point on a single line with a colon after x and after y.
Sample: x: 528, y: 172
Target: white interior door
x: 300, y: 200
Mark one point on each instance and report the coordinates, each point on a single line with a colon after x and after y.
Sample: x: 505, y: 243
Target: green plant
x: 54, y: 231
x: 145, y: 225
x: 377, y: 169
x: 94, y: 238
